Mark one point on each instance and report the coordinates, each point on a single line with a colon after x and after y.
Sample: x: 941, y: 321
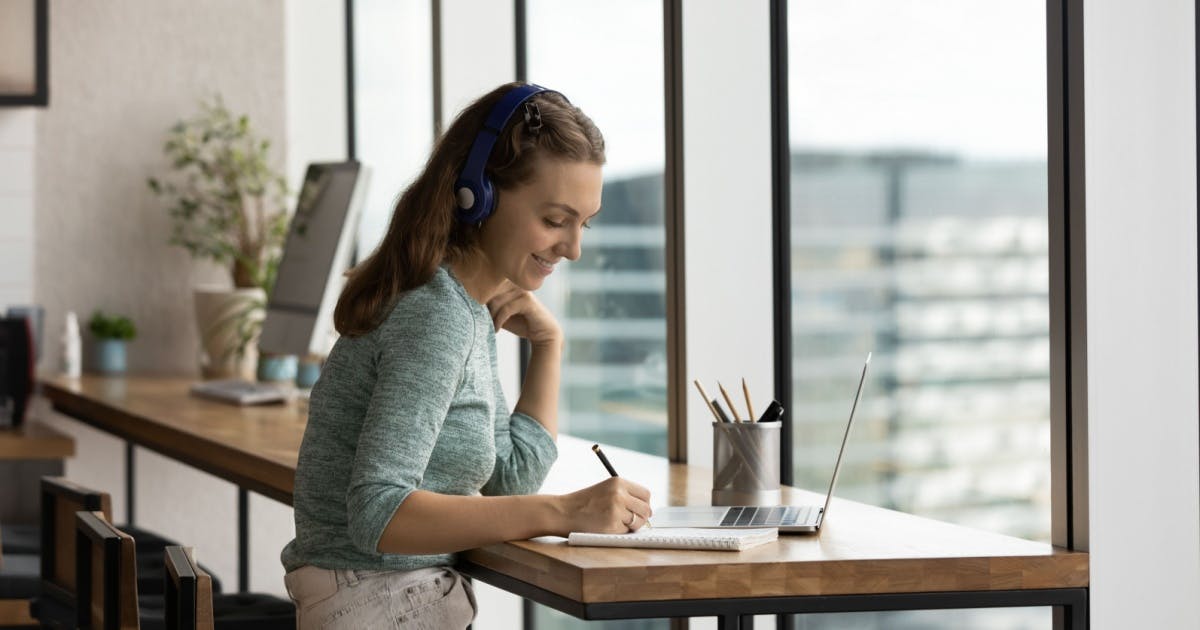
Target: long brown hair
x: 423, y: 232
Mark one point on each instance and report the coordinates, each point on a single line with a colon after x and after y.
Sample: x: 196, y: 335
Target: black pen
x: 604, y: 460
x: 612, y: 471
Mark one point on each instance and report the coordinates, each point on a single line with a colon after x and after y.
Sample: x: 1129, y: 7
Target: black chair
x: 191, y: 605
x: 54, y: 604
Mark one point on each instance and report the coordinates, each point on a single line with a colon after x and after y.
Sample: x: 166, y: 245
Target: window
x: 393, y: 109
x: 919, y: 231
x: 612, y: 301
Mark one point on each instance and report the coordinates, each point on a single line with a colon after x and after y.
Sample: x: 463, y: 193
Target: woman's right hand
x: 613, y: 506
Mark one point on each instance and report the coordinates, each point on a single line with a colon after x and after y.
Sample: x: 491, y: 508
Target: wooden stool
x: 191, y: 605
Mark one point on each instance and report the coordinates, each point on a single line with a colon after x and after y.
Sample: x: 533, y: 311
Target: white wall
x: 1141, y: 311
x: 727, y: 200
x: 727, y: 213
x: 16, y: 206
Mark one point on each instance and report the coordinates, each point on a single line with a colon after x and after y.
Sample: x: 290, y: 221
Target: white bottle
x: 72, y: 351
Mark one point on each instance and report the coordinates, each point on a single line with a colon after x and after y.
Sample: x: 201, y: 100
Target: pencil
x: 707, y: 398
x: 749, y: 405
x: 729, y: 401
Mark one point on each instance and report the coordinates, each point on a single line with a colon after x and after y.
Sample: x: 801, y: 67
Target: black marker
x: 716, y: 404
x: 773, y: 413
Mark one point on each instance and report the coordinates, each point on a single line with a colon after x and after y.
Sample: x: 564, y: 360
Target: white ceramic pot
x: 229, y: 322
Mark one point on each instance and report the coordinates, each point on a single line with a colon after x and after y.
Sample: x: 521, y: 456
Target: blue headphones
x: 473, y: 190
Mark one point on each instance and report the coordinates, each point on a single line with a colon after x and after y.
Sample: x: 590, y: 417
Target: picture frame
x: 24, y: 53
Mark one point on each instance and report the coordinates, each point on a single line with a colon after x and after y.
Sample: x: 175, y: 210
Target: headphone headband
x: 473, y: 190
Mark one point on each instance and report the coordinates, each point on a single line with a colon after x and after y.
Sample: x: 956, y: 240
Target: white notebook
x: 679, y: 538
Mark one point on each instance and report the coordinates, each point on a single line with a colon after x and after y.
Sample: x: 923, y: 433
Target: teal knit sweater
x: 414, y: 404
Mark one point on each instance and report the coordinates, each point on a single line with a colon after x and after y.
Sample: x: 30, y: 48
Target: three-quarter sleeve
x: 419, y: 364
x: 525, y: 451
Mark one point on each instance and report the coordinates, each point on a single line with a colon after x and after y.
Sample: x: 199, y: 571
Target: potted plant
x: 227, y: 203
x: 110, y: 334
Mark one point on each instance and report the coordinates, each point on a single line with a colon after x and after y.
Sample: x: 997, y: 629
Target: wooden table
x: 866, y: 558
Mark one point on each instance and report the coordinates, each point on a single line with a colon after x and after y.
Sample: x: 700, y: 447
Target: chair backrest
x: 188, y: 590
x: 106, y: 575
x: 61, y: 499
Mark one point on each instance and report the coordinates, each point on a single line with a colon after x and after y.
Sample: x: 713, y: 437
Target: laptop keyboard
x: 777, y: 516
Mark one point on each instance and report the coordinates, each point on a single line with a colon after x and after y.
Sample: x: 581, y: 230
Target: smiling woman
x: 411, y: 453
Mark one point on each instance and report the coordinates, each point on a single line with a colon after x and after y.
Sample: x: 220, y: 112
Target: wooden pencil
x: 749, y: 405
x: 707, y: 398
x: 729, y: 401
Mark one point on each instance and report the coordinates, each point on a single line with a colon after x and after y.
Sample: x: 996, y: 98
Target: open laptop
x: 788, y: 518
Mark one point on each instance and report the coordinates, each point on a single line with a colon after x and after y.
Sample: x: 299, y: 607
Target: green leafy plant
x: 227, y: 201
x: 115, y: 327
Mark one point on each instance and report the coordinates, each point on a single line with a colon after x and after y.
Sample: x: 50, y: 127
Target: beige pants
x: 432, y: 598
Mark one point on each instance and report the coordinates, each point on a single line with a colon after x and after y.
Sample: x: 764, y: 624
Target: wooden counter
x: 862, y: 550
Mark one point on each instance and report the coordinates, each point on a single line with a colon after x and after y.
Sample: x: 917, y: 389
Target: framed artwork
x: 24, y: 52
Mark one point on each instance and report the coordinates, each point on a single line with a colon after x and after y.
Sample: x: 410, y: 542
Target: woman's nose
x: 570, y: 247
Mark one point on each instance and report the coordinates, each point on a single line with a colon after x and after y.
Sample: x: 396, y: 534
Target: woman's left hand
x: 519, y: 312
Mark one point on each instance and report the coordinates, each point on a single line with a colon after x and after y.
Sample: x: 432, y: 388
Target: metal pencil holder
x: 746, y: 463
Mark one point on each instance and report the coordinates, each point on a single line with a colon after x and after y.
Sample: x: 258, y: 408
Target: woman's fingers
x: 636, y: 490
x: 634, y: 500
x: 504, y: 306
x: 641, y: 508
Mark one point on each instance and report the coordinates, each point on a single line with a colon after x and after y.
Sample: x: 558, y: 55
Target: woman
x: 410, y: 453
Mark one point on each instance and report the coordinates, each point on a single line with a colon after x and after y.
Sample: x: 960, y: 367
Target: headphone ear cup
x: 474, y: 200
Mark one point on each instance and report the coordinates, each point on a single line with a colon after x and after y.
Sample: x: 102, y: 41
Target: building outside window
x: 919, y: 206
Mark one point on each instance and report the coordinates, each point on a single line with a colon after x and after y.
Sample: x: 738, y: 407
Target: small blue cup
x: 275, y: 368
x: 308, y: 373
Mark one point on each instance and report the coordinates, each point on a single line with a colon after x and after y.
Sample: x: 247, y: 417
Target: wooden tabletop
x: 255, y: 447
x: 861, y: 549
x: 34, y: 440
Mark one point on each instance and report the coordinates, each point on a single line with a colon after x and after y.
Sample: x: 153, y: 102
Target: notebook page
x: 679, y: 538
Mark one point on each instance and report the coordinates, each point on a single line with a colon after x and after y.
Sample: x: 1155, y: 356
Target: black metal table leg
x: 1072, y: 615
x: 129, y: 477
x: 243, y: 534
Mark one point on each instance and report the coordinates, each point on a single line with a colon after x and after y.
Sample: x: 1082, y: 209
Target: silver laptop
x: 788, y: 518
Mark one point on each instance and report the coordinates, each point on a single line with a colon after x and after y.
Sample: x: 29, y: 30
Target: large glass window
x: 919, y: 232
x: 607, y: 57
x: 393, y: 106
x: 612, y: 301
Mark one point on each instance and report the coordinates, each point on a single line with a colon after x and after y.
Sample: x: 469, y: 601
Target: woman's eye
x: 587, y: 225
x: 552, y: 223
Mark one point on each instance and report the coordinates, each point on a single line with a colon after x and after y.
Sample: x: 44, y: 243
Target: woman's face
x: 536, y: 225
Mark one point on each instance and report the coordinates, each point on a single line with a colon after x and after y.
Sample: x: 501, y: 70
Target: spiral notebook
x: 679, y: 538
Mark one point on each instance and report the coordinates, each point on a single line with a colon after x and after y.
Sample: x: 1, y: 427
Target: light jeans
x: 424, y: 599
